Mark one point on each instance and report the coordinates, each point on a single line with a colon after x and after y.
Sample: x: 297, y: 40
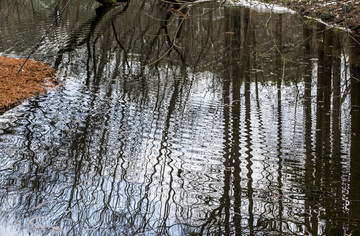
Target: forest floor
x: 35, y: 78
x: 343, y: 13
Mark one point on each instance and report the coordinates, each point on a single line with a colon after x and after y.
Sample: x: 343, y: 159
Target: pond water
x: 201, y: 119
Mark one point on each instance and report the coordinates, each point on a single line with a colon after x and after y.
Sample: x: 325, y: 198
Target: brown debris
x: 344, y: 13
x: 35, y: 78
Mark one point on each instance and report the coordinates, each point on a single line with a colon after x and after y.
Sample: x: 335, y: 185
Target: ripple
x: 185, y: 145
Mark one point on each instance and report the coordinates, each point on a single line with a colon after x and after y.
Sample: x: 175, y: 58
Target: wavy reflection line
x: 279, y: 59
x: 336, y: 166
x: 309, y: 162
x: 354, y: 189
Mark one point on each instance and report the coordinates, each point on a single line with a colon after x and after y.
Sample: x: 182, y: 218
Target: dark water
x: 229, y: 122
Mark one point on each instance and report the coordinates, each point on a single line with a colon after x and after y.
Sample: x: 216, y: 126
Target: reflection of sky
x: 130, y: 148
x: 10, y: 230
x: 189, y: 145
x: 133, y: 155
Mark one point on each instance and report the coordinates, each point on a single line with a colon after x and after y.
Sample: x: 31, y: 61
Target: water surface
x: 228, y: 121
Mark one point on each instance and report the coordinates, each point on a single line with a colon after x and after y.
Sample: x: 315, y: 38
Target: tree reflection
x: 207, y: 140
x: 336, y: 167
x: 309, y: 160
x: 354, y: 190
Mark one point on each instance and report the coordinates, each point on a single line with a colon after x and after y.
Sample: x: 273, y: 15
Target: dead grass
x: 35, y: 78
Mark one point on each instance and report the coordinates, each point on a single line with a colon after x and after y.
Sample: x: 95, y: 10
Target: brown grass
x: 35, y: 78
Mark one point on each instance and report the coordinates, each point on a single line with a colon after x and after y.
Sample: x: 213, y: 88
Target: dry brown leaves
x: 35, y: 78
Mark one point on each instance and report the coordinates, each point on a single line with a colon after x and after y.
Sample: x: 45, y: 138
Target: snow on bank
x: 259, y: 6
x: 273, y: 8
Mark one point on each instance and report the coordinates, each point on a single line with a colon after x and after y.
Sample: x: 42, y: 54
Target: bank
x: 341, y: 13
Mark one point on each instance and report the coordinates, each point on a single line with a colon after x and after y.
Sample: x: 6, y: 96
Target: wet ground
x: 199, y: 119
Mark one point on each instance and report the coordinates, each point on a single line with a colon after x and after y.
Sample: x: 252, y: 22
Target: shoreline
x: 342, y: 14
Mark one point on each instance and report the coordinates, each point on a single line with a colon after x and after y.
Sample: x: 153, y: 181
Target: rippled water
x: 231, y: 121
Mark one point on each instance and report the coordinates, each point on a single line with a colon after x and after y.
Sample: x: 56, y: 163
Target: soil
x: 35, y: 78
x: 343, y: 13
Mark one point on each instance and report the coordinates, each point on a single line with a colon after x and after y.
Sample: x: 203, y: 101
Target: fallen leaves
x: 35, y: 78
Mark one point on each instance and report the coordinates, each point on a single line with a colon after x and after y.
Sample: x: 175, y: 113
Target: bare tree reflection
x: 354, y: 191
x: 207, y: 140
x: 336, y: 165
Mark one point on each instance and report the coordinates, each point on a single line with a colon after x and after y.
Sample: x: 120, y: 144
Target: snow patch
x: 260, y: 7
